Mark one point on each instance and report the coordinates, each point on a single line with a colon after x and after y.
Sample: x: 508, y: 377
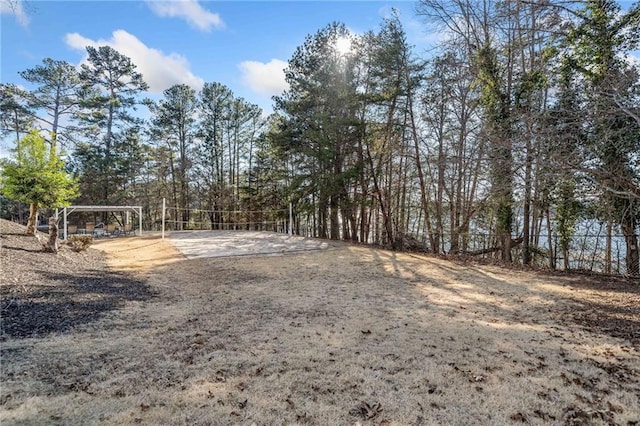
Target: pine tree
x: 174, y: 124
x: 111, y: 85
x: 16, y: 116
x: 321, y: 124
x: 58, y: 94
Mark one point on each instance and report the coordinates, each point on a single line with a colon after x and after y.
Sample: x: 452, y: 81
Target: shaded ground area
x: 346, y: 335
x: 42, y: 293
x: 609, y: 304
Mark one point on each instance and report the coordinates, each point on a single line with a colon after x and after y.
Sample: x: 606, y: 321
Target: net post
x: 64, y: 220
x: 164, y: 209
x: 290, y: 219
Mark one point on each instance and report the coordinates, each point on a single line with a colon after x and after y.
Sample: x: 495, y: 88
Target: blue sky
x: 242, y: 44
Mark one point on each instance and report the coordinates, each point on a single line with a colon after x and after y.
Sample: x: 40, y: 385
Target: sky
x: 244, y: 45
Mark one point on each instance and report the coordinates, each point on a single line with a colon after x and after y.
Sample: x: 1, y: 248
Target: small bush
x: 80, y: 242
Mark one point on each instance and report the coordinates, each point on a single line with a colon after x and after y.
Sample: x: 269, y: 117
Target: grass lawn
x: 348, y: 335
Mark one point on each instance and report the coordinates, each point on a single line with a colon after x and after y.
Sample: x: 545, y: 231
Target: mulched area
x: 43, y: 293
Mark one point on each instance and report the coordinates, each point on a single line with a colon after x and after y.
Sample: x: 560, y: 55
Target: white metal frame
x: 127, y: 209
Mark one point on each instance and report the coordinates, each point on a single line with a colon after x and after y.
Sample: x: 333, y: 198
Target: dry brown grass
x: 343, y: 336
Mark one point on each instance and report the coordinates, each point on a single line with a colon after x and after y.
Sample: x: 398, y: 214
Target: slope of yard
x: 343, y: 336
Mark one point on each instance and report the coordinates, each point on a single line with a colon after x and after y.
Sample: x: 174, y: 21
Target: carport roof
x: 101, y: 208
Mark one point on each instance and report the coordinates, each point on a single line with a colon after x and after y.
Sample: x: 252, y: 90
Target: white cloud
x: 14, y: 7
x: 264, y: 78
x: 159, y: 71
x: 189, y: 10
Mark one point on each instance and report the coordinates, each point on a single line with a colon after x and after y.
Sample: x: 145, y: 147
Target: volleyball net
x: 182, y: 219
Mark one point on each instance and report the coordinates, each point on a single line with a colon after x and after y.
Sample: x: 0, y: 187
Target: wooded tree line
x: 520, y: 128
x: 195, y: 150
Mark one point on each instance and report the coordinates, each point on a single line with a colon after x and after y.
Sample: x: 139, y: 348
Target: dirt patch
x: 342, y: 336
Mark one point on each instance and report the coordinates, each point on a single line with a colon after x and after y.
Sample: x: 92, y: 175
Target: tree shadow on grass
x: 60, y: 302
x: 597, y: 303
x: 23, y: 249
x: 618, y: 321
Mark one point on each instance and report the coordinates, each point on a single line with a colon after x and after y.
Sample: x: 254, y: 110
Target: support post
x: 57, y: 218
x: 140, y: 221
x: 64, y: 219
x: 164, y: 209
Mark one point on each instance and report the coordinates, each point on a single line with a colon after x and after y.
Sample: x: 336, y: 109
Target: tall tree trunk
x: 364, y: 211
x: 377, y: 193
x: 424, y: 192
x: 607, y: 253
x: 32, y: 222
x: 552, y: 258
x: 631, y: 239
x: 334, y: 223
x: 323, y: 205
x: 526, y: 250
x: 52, y: 241
x: 439, y: 195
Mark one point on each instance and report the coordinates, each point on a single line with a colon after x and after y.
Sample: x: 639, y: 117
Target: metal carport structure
x: 127, y: 209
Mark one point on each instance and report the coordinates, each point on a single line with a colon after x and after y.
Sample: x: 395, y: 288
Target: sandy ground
x: 194, y: 244
x: 138, y: 254
x: 346, y: 335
